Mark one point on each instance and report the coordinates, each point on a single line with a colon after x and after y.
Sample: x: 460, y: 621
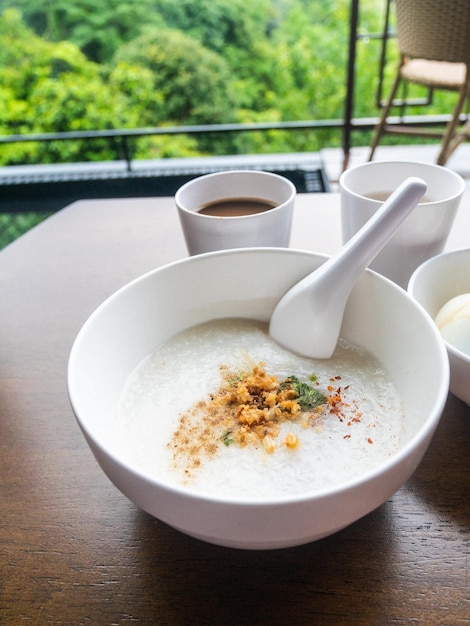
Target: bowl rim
x: 424, y: 432
x: 414, y: 280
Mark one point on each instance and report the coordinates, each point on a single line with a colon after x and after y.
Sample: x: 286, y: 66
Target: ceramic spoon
x: 307, y: 319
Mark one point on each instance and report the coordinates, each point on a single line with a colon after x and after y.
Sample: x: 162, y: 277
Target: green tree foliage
x: 190, y: 83
x: 98, y: 29
x: 78, y: 64
x: 48, y: 87
x: 225, y: 26
x: 238, y: 31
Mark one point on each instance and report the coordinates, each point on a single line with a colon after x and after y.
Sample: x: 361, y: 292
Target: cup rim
x: 237, y: 172
x: 458, y: 179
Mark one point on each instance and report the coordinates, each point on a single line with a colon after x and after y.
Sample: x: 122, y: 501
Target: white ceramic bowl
x: 247, y: 283
x: 434, y: 283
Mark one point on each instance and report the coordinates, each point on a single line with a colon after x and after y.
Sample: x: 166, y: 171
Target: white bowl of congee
x: 201, y: 420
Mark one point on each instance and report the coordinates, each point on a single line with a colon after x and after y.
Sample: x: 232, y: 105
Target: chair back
x: 438, y: 30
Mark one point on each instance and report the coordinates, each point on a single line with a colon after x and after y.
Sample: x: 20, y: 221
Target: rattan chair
x: 434, y: 44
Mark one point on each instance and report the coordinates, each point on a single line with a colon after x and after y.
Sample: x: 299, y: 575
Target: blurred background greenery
x: 72, y: 65
x: 80, y: 65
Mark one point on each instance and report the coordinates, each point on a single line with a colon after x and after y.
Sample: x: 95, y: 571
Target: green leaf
x: 226, y: 438
x: 308, y: 397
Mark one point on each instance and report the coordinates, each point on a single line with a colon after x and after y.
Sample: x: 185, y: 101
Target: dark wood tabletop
x: 73, y: 550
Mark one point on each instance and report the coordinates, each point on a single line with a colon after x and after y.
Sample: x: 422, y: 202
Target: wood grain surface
x: 73, y: 550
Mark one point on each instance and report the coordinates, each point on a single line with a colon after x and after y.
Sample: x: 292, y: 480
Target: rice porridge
x: 223, y: 410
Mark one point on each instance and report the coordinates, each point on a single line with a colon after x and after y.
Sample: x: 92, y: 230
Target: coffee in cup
x: 236, y: 209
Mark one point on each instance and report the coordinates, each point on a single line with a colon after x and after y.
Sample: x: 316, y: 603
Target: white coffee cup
x: 424, y: 232
x: 205, y: 233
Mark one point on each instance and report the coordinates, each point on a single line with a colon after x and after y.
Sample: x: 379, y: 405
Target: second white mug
x: 424, y: 232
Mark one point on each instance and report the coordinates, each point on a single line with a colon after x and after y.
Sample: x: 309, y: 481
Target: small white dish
x: 432, y: 285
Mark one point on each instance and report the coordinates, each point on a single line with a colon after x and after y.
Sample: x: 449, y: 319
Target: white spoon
x: 307, y: 319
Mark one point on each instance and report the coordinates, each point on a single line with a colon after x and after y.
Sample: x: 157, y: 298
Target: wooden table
x: 73, y: 550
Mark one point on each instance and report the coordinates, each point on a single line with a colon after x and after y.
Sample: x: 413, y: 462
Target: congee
x: 222, y: 410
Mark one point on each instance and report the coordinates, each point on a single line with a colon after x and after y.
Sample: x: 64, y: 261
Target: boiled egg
x: 453, y: 322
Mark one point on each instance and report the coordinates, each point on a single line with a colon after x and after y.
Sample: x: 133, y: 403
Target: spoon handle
x: 307, y: 319
x: 343, y: 268
x: 363, y: 247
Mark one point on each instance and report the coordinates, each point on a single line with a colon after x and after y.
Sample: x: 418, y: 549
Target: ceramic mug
x: 423, y: 234
x: 236, y: 209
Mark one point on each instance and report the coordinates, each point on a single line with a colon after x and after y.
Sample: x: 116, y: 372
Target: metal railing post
x: 350, y: 82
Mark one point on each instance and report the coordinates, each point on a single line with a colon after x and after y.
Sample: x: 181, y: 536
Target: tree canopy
x: 72, y: 65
